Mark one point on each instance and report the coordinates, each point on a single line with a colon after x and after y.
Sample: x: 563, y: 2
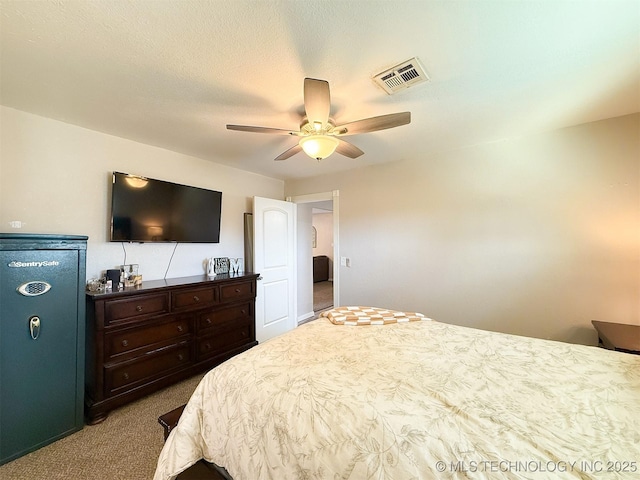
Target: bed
x: 414, y: 399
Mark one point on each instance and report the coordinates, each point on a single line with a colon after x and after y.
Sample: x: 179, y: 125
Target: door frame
x: 334, y: 196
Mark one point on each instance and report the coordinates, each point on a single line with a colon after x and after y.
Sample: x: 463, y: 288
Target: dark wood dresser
x: 142, y: 339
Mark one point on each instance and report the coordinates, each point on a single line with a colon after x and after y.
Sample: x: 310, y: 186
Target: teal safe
x: 42, y: 312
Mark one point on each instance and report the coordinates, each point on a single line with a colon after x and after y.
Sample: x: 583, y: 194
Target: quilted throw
x: 369, y: 316
x: 413, y: 400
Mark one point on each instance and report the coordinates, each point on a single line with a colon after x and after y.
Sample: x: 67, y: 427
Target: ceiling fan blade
x: 275, y: 131
x: 289, y: 153
x: 373, y: 124
x: 348, y: 150
x: 317, y: 101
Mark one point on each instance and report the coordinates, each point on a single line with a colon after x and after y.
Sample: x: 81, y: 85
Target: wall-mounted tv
x: 148, y: 210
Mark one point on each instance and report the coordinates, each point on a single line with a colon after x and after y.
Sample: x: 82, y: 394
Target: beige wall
x: 534, y: 236
x: 55, y: 178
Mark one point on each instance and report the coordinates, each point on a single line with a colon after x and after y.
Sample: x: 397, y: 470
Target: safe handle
x: 34, y: 327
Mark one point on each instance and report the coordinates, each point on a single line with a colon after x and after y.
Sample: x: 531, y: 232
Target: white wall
x: 534, y: 236
x: 55, y: 178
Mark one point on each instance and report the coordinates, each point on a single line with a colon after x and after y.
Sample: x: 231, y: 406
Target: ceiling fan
x: 319, y: 133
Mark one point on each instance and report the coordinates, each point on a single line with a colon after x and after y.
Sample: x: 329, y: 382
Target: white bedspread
x: 417, y: 400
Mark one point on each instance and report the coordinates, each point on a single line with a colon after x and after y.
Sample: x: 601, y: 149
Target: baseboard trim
x: 305, y: 317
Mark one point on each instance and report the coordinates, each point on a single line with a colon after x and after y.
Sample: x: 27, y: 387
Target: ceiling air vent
x: 404, y: 75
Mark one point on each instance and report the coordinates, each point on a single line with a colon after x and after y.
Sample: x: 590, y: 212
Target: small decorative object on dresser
x: 235, y: 265
x: 129, y: 274
x: 145, y: 338
x: 221, y: 265
x: 211, y: 267
x: 114, y: 275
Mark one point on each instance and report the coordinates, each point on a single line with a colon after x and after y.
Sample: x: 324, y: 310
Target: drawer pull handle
x: 237, y: 290
x: 180, y: 357
x: 180, y: 328
x: 125, y: 375
x: 207, y: 346
x: 208, y: 321
x: 244, y: 334
x: 244, y: 312
x: 125, y: 343
x: 196, y: 298
x: 139, y: 308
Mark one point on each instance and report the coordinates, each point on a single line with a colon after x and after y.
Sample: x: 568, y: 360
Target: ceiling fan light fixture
x: 318, y: 131
x: 319, y: 146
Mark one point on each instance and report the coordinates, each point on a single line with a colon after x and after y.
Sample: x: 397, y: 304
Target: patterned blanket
x: 370, y: 316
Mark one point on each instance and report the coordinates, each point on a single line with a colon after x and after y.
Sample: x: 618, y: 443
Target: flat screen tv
x: 148, y: 210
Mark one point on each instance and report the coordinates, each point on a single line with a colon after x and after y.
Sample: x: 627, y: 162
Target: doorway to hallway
x: 317, y: 237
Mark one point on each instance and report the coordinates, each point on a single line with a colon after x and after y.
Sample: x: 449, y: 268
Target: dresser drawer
x: 237, y: 291
x: 223, y: 340
x: 194, y: 298
x: 144, y: 338
x: 125, y: 375
x: 127, y: 309
x: 220, y: 316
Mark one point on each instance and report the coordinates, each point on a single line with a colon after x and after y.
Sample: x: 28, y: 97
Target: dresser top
x: 171, y: 283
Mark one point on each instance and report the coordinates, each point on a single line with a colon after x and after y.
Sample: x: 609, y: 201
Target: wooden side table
x: 618, y: 336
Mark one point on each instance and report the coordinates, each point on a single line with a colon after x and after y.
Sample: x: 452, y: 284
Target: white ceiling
x: 173, y: 73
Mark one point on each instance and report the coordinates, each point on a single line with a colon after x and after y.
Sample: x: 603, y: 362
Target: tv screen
x: 148, y: 210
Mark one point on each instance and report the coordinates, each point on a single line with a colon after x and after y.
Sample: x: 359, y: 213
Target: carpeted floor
x: 125, y: 446
x: 322, y: 296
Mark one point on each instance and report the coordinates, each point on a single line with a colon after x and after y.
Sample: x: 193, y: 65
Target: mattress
x: 412, y: 400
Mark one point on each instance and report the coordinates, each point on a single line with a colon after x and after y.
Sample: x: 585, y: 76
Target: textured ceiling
x: 173, y: 73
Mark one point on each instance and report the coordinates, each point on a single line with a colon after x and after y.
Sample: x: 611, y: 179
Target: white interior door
x: 274, y: 227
